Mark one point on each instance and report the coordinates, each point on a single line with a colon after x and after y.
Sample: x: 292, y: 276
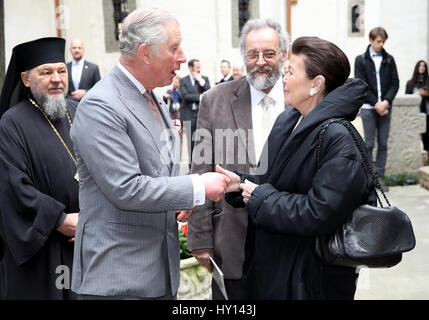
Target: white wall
x: 27, y: 20
x: 206, y: 28
x: 406, y: 23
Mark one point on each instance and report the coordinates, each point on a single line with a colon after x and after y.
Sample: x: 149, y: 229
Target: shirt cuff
x: 202, y: 82
x: 60, y: 220
x: 199, y: 190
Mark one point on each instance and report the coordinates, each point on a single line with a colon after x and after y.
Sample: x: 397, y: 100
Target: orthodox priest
x: 38, y: 182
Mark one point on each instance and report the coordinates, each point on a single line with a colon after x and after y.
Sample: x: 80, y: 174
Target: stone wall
x: 405, y: 147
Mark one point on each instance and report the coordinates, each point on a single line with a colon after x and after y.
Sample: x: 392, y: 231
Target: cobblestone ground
x: 409, y: 280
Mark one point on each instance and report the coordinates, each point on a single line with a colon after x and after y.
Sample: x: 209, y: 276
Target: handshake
x: 217, y: 184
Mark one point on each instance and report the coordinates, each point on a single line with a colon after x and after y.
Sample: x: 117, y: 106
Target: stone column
x: 405, y: 147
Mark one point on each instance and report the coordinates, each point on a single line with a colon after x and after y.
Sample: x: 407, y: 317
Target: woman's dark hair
x: 378, y: 31
x: 413, y: 81
x: 324, y: 58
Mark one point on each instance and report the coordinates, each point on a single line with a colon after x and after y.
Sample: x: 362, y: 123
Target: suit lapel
x: 171, y: 132
x: 242, y: 111
x: 83, y: 76
x: 137, y: 105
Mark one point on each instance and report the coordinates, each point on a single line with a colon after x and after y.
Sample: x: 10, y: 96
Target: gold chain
x: 53, y: 127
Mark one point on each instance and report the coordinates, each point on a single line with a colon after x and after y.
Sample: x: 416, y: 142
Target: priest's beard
x: 263, y: 82
x: 55, y: 107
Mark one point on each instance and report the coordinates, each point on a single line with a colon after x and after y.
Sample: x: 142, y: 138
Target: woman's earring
x: 312, y: 92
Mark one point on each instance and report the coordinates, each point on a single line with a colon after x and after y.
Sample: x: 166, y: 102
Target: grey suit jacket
x: 225, y: 120
x: 126, y: 240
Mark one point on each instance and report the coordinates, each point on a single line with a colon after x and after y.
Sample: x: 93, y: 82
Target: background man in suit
x: 378, y: 69
x: 229, y: 110
x: 128, y: 151
x: 225, y: 69
x: 192, y: 88
x: 237, y: 71
x: 83, y: 75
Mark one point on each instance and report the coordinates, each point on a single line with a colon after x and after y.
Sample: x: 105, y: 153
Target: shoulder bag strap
x: 348, y: 126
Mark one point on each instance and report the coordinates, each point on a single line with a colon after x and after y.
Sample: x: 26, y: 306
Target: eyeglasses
x: 253, y: 56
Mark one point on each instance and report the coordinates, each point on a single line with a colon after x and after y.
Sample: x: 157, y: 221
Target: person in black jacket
x: 296, y: 200
x: 378, y: 69
x: 192, y: 87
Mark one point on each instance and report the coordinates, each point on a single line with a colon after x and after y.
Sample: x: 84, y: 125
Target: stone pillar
x: 405, y: 147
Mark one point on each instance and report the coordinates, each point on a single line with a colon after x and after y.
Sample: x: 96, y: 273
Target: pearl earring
x: 312, y: 92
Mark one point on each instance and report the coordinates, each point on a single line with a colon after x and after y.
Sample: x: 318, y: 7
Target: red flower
x: 184, y: 229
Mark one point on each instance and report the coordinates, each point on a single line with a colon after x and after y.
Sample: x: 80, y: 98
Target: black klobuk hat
x: 27, y: 56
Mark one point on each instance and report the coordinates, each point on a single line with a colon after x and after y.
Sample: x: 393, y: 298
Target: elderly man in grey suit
x: 128, y: 161
x: 238, y: 121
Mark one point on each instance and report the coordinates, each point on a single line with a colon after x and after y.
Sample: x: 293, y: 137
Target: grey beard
x: 265, y: 81
x: 54, y: 107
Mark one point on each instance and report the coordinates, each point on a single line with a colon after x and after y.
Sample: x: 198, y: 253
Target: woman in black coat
x: 419, y: 84
x: 294, y: 201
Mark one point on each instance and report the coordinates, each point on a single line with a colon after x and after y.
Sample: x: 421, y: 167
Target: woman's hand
x: 235, y: 180
x: 247, y: 188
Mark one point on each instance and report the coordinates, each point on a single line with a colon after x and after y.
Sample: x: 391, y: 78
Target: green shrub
x: 401, y: 179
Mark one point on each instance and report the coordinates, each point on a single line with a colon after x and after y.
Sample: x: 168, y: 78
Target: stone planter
x: 195, y: 281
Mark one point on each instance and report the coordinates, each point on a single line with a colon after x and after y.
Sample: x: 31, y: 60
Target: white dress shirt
x: 202, y: 82
x: 378, y: 59
x: 76, y: 70
x: 197, y: 181
x: 277, y: 104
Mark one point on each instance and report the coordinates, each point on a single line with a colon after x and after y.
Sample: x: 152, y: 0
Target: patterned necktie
x: 153, y: 108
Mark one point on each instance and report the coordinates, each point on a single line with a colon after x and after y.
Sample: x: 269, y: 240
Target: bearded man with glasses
x: 234, y: 120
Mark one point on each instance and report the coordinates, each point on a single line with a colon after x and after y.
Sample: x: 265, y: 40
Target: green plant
x: 183, y: 242
x: 401, y: 179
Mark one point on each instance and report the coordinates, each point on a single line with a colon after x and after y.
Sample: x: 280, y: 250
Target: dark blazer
x: 389, y: 81
x: 217, y: 225
x: 190, y: 96
x: 90, y: 76
x: 295, y: 202
x: 223, y: 80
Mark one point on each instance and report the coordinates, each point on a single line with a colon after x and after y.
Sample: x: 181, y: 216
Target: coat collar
x: 343, y: 102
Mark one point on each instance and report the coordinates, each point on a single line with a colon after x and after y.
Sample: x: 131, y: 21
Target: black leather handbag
x: 374, y: 237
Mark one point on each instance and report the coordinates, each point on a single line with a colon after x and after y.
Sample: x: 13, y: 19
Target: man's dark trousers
x: 372, y: 123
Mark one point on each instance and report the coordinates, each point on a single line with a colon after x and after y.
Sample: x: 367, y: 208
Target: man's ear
x: 24, y: 78
x: 144, y: 53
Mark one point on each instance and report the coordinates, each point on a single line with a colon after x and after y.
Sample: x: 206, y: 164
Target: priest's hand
x: 68, y: 228
x: 203, y: 257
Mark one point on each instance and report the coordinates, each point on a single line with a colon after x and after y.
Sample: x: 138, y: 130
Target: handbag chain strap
x: 346, y: 124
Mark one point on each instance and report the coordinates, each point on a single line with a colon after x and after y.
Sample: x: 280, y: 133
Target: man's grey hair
x: 256, y: 24
x: 144, y: 26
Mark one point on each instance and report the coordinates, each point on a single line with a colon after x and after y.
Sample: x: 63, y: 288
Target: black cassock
x: 37, y: 187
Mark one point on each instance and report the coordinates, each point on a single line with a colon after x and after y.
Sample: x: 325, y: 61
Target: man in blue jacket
x: 378, y: 69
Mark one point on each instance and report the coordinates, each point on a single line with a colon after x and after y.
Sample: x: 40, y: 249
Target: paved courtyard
x: 409, y: 280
